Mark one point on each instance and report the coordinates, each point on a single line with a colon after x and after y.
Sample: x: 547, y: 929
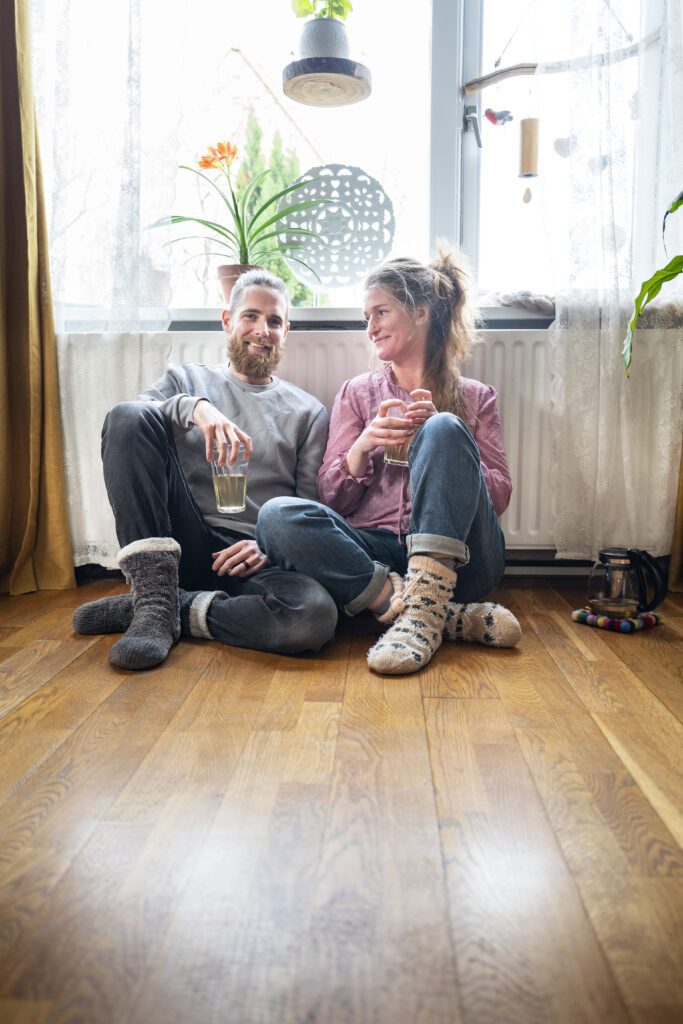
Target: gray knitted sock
x: 194, y: 607
x: 482, y: 623
x: 107, y: 615
x: 115, y: 614
x: 151, y: 568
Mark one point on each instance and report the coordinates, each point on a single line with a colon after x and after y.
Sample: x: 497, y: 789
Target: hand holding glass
x: 230, y: 481
x: 396, y: 452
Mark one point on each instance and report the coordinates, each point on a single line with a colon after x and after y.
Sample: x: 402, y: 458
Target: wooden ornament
x: 528, y: 152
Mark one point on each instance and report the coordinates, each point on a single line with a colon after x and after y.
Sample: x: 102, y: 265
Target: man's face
x: 256, y: 332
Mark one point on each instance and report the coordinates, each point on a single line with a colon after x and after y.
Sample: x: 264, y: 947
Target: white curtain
x: 107, y: 80
x: 617, y: 439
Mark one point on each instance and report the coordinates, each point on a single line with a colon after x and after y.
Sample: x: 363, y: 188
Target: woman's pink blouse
x: 381, y: 498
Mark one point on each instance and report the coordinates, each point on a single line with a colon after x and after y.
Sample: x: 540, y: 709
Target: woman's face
x: 398, y: 336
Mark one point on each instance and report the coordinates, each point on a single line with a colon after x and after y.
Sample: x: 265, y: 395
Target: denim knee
x: 310, y: 629
x: 124, y: 419
x: 445, y: 427
x: 278, y: 518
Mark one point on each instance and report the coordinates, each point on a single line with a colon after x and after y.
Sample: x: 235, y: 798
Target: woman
x: 435, y: 518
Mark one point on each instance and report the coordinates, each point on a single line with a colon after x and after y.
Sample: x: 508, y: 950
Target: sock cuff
x: 136, y: 547
x: 428, y: 564
x: 199, y: 609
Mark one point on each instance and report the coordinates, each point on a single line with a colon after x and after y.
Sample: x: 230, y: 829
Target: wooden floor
x: 241, y: 838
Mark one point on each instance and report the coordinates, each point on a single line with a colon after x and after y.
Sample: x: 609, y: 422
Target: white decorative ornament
x: 350, y: 235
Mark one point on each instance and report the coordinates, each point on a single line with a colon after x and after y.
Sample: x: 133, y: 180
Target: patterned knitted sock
x: 393, y: 606
x: 417, y: 633
x: 151, y: 568
x: 482, y: 623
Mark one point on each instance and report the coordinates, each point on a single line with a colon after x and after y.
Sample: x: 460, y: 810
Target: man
x: 156, y: 454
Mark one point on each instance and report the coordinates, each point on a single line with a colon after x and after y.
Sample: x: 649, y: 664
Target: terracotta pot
x: 228, y: 274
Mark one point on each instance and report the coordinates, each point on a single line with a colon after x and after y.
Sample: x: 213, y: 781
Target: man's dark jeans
x: 274, y: 610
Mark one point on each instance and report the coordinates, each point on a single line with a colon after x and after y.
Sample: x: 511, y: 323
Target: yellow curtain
x: 35, y: 549
x: 676, y: 567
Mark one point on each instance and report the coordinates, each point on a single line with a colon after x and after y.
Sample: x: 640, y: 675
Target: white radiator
x: 97, y: 371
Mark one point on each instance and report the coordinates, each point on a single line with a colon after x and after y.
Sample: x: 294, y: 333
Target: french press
x: 619, y: 583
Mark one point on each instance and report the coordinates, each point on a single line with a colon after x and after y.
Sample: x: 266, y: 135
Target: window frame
x: 454, y: 173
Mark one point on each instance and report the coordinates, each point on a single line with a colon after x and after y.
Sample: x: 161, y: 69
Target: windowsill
x: 493, y: 318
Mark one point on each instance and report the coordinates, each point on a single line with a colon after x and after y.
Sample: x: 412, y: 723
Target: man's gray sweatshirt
x: 288, y: 428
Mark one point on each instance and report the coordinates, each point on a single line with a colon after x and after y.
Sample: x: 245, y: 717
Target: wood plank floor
x: 247, y: 839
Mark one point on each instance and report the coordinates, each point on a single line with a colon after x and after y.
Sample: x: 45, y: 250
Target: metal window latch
x: 472, y: 120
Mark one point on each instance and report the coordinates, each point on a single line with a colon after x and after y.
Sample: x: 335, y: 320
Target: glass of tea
x: 397, y: 454
x: 230, y: 481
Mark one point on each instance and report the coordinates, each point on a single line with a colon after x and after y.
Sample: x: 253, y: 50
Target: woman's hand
x: 419, y: 410
x: 241, y: 559
x: 218, y: 430
x: 384, y: 429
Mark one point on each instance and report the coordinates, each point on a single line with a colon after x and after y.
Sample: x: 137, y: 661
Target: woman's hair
x: 257, y: 278
x: 442, y: 288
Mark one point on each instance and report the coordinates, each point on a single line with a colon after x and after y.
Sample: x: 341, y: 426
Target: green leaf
x: 678, y: 201
x: 294, y: 208
x: 211, y: 225
x: 212, y: 183
x: 284, y: 192
x: 296, y: 232
x: 649, y: 290
x: 205, y: 238
x: 303, y: 8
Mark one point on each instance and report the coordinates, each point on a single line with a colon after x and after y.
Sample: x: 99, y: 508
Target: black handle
x: 643, y: 561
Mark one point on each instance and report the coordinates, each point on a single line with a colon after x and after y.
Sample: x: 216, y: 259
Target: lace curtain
x: 617, y: 439
x: 108, y: 95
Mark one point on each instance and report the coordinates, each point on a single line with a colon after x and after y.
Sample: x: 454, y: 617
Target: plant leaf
x: 211, y: 225
x: 678, y: 201
x: 221, y: 193
x: 205, y: 238
x: 285, y: 192
x: 302, y: 8
x: 295, y: 208
x: 649, y: 290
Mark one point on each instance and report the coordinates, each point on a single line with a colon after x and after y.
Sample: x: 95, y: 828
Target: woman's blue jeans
x: 452, y: 516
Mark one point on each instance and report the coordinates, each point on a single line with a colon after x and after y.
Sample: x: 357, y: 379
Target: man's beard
x: 252, y: 364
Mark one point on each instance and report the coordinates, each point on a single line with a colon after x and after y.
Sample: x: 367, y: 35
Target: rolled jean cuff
x: 433, y: 544
x: 370, y: 592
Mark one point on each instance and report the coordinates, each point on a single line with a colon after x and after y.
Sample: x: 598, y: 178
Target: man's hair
x: 257, y: 278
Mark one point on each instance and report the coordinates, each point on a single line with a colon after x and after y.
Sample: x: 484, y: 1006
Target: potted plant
x: 246, y: 238
x: 324, y: 35
x: 652, y: 287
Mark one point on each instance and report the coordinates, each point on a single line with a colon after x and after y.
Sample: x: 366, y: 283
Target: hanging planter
x: 324, y: 75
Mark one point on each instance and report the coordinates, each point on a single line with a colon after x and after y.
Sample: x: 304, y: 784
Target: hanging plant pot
x: 323, y: 37
x: 324, y: 75
x: 228, y: 274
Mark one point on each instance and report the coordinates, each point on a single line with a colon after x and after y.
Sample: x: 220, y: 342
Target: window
x: 210, y: 71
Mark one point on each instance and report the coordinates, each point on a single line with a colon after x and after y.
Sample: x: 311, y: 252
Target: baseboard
x: 543, y: 562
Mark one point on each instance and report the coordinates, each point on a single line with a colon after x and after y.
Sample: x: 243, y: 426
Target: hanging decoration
x: 348, y: 235
x: 497, y: 116
x: 528, y: 150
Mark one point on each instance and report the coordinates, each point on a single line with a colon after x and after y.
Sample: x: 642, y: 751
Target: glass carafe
x: 618, y: 585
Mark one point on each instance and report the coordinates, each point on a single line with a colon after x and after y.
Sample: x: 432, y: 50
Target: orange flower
x: 223, y: 153
x: 227, y: 151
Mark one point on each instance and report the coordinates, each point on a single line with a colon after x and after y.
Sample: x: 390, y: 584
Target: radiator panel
x: 98, y: 371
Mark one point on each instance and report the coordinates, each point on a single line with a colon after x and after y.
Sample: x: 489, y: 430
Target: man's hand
x: 241, y: 559
x: 218, y: 430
